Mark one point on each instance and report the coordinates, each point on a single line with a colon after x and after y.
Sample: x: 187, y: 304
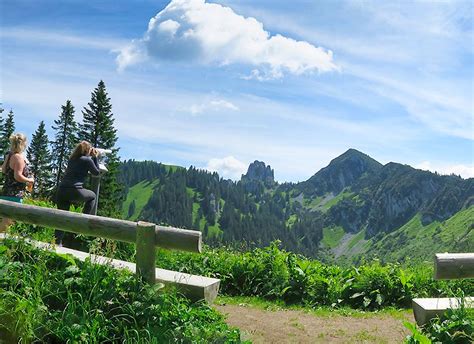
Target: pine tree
x: 98, y: 129
x: 6, y: 130
x: 7, y: 127
x: 40, y: 162
x: 65, y: 139
x: 131, y: 209
x: 1, y: 118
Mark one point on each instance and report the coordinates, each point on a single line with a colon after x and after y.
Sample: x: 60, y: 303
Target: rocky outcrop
x: 258, y: 171
x: 258, y: 177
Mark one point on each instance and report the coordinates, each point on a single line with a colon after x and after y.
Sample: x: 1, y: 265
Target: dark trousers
x: 67, y: 196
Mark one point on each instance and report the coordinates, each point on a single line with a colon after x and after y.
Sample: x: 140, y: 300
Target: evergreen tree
x: 40, y: 162
x: 1, y: 119
x: 98, y: 129
x: 131, y: 209
x: 7, y: 127
x: 6, y: 130
x: 65, y: 139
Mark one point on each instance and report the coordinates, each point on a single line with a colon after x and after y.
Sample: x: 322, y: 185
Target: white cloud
x: 464, y: 171
x: 228, y: 167
x: 212, y: 105
x: 212, y: 34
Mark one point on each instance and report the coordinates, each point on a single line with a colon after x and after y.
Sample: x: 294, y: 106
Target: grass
x: 196, y: 207
x: 356, y: 239
x: 321, y: 311
x: 291, y: 220
x: 141, y: 193
x: 332, y: 236
x: 312, y: 203
x: 339, y: 197
x: 420, y: 242
x: 173, y: 168
x: 49, y: 298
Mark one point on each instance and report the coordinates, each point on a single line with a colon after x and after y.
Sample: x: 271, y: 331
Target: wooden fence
x: 146, y: 236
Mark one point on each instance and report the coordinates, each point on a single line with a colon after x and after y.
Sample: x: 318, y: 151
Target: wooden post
x: 146, y: 252
x: 454, y: 265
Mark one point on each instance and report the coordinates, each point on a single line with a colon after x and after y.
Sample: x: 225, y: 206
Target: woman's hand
x: 29, y: 185
x: 93, y: 152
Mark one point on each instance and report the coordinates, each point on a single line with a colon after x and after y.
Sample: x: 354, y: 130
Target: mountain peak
x: 352, y: 153
x: 343, y: 171
x: 259, y: 171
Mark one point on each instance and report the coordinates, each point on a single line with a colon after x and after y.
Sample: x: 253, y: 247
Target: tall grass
x: 49, y: 298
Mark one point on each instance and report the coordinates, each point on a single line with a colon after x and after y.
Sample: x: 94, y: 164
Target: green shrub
x: 273, y: 273
x: 49, y: 298
x: 455, y: 327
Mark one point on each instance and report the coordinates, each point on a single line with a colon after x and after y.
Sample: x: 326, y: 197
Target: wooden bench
x: 447, y: 266
x: 146, y: 236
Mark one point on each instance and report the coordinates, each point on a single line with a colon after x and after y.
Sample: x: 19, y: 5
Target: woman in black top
x: 71, y: 189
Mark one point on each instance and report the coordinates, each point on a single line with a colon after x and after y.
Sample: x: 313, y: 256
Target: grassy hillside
x: 141, y: 193
x: 418, y: 242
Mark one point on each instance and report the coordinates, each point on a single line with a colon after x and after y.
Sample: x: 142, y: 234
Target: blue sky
x: 218, y: 85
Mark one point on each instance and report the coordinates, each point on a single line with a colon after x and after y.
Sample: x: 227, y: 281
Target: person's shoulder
x: 16, y: 157
x: 85, y: 158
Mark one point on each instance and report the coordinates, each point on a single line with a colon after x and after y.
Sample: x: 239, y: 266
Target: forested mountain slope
x: 353, y: 206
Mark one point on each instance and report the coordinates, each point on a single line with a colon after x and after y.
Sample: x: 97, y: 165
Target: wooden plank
x: 104, y: 227
x: 454, y: 265
x: 193, y: 287
x: 146, y: 251
x: 426, y: 309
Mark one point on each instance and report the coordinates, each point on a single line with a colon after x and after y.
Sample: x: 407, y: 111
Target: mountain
x: 354, y: 207
x: 343, y: 171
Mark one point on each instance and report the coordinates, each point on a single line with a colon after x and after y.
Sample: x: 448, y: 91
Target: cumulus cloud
x: 461, y: 170
x: 212, y: 105
x: 228, y: 167
x: 212, y: 34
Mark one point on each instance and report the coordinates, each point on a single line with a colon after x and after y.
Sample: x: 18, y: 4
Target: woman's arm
x: 17, y: 163
x: 94, y: 166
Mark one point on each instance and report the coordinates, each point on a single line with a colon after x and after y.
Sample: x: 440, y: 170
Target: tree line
x: 48, y: 158
x: 227, y: 212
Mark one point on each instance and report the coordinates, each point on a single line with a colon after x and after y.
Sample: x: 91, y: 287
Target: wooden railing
x: 446, y: 266
x: 146, y: 236
x: 454, y: 265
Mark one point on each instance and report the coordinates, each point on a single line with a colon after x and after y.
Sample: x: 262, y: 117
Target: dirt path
x: 290, y: 326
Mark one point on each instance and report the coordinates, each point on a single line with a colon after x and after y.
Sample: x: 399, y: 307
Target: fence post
x: 146, y: 251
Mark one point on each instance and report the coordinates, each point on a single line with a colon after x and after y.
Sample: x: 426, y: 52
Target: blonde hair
x: 82, y: 148
x: 18, y: 143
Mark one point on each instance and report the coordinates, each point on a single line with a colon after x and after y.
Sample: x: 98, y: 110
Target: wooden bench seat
x: 193, y: 287
x: 427, y: 308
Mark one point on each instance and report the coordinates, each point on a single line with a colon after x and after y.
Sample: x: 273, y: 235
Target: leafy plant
x: 45, y: 297
x: 455, y: 327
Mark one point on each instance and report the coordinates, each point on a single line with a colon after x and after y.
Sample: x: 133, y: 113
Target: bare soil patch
x: 294, y: 326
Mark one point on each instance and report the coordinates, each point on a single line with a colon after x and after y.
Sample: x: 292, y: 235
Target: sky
x: 219, y: 84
